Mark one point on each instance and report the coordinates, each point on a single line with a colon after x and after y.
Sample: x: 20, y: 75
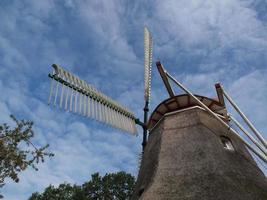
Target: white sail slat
x: 84, y: 99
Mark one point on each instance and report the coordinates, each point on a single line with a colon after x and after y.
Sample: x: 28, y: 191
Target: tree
x: 63, y: 192
x: 17, y: 152
x: 117, y: 186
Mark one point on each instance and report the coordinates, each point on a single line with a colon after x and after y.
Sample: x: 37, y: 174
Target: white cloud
x: 104, y: 19
x: 250, y: 92
x: 219, y: 22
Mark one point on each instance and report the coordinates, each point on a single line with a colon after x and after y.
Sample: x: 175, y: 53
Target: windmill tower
x: 192, y: 152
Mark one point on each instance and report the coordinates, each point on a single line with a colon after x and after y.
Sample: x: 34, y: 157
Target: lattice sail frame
x: 147, y: 63
x: 82, y: 98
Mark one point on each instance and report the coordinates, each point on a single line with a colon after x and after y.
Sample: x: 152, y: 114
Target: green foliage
x: 17, y: 152
x: 63, y: 192
x: 117, y: 186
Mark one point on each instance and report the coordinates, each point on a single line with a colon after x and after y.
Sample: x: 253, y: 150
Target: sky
x: 200, y: 42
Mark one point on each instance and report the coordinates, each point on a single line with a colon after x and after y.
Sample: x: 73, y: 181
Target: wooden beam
x: 164, y: 78
x: 220, y: 93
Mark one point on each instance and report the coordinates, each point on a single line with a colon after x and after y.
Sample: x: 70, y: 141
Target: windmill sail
x: 79, y: 97
x: 147, y: 62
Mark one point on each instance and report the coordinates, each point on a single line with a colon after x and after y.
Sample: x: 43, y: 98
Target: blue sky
x: 199, y: 42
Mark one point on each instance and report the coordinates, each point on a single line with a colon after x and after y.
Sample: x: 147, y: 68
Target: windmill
x: 80, y: 97
x: 71, y: 93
